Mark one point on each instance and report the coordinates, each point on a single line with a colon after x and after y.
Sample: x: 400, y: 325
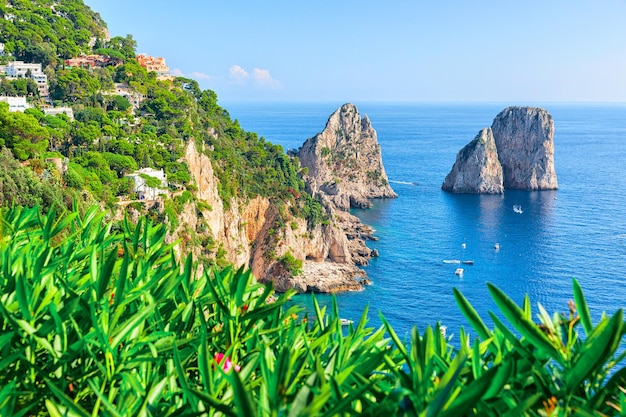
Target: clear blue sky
x: 404, y: 50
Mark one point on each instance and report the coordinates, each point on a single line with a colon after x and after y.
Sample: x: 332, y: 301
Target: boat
x: 496, y: 246
x: 468, y: 262
x: 459, y: 272
x: 451, y: 261
x: 518, y: 209
x: 345, y: 322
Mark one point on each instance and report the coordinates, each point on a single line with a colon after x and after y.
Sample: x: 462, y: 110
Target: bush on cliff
x: 99, y: 318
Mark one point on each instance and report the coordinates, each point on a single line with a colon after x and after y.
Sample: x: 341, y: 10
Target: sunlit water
x: 578, y: 231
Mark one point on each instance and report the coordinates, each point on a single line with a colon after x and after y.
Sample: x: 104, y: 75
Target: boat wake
x: 403, y: 182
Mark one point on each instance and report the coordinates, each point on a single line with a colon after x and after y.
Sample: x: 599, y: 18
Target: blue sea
x: 578, y: 231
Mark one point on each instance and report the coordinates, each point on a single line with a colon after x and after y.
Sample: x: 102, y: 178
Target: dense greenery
x: 47, y: 31
x: 100, y: 319
x: 111, y: 137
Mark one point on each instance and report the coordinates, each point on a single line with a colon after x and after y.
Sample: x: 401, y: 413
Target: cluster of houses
x: 20, y: 69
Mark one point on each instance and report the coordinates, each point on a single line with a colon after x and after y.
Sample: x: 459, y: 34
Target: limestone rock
x: 521, y: 139
x: 345, y: 161
x: 477, y: 169
x: 524, y: 138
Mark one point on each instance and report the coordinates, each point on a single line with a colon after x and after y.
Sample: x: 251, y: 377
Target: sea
x: 577, y: 231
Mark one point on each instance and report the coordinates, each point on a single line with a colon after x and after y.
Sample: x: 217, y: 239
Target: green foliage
x: 22, y: 186
x: 291, y: 264
x: 22, y: 133
x: 99, y: 318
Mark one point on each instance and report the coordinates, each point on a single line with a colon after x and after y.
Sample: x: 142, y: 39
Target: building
x: 20, y: 69
x: 15, y: 103
x: 144, y: 192
x: 1, y: 49
x: 156, y: 64
x: 92, y: 61
x: 53, y: 111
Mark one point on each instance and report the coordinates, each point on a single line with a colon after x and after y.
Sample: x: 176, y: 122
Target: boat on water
x: 468, y: 262
x: 345, y: 322
x: 451, y: 261
x: 459, y: 272
x: 518, y: 209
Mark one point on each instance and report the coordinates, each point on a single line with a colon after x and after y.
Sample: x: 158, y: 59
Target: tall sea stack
x: 525, y: 141
x: 517, y: 152
x: 345, y: 161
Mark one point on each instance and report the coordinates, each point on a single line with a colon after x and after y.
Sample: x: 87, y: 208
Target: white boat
x: 451, y: 261
x: 459, y: 272
x: 345, y: 322
x: 518, y: 209
x: 496, y: 246
x: 443, y: 330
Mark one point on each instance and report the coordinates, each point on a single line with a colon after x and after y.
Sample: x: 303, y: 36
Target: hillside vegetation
x: 110, y: 137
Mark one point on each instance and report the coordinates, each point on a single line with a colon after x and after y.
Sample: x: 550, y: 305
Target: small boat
x: 463, y: 245
x: 451, y: 261
x: 443, y: 330
x: 459, y: 272
x: 345, y: 322
x: 496, y: 246
x: 468, y: 262
x: 518, y: 209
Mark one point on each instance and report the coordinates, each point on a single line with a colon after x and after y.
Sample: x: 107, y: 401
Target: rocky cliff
x: 259, y: 235
x: 517, y: 152
x: 345, y: 161
x: 477, y: 169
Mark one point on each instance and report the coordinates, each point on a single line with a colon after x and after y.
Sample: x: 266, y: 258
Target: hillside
x: 87, y: 120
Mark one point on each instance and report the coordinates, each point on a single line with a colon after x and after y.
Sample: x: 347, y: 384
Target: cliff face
x: 517, y: 152
x: 345, y: 169
x: 251, y: 234
x: 477, y: 169
x: 525, y: 140
x: 345, y: 161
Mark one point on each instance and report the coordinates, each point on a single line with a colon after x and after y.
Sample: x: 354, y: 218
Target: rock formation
x: 477, y: 169
x: 525, y: 141
x: 345, y: 161
x: 249, y: 233
x: 517, y: 152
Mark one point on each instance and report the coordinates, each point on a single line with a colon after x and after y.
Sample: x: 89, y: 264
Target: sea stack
x: 517, y: 152
x: 345, y: 161
x: 525, y: 141
x: 477, y: 169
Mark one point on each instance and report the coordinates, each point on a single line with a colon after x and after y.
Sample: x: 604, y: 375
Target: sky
x: 385, y: 51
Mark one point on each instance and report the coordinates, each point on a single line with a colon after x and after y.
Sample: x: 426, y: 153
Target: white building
x: 1, y: 49
x: 15, y: 103
x: 53, y: 111
x: 19, y: 69
x: 144, y: 192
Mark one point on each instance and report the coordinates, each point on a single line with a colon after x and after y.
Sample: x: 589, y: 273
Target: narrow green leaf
x: 243, y: 403
x: 525, y: 327
x: 65, y: 400
x: 471, y: 315
x: 581, y: 306
x: 595, y: 351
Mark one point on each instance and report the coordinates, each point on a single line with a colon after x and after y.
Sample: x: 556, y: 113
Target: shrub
x: 102, y: 320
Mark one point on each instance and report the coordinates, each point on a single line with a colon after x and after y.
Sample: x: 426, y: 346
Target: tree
x: 22, y: 133
x: 126, y: 46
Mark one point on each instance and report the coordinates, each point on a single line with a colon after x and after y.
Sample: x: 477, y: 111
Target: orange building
x: 155, y: 64
x: 91, y: 61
